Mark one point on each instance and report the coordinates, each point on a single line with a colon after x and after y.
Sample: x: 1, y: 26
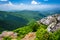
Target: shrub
x: 55, y: 35
x: 23, y: 31
x: 7, y: 38
x: 43, y: 26
x: 42, y: 34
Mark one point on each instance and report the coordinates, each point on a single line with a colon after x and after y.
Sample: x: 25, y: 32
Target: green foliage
x: 42, y: 34
x: 43, y: 26
x: 1, y: 29
x: 34, y: 25
x: 13, y: 20
x: 7, y: 38
x: 55, y: 35
x: 23, y: 31
x: 31, y: 27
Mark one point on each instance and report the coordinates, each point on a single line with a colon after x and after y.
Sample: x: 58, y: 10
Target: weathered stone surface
x: 30, y: 36
x: 53, y: 22
x: 51, y: 26
x: 8, y: 34
x: 56, y: 27
x: 48, y: 20
x: 58, y: 18
x: 1, y: 38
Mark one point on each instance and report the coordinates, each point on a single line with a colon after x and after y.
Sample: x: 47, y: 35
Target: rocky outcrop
x: 30, y: 36
x: 48, y: 20
x: 53, y: 22
x: 8, y: 34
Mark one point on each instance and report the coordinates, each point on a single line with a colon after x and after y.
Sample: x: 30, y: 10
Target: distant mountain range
x: 15, y: 19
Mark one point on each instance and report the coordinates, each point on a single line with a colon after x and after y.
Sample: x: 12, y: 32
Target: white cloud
x: 34, y: 2
x: 10, y: 6
x: 3, y: 0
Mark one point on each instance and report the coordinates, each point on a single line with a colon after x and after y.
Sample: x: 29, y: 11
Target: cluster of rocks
x: 53, y: 22
x: 8, y: 34
x: 30, y: 36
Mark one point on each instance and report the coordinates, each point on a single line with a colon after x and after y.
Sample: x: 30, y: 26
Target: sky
x: 28, y: 4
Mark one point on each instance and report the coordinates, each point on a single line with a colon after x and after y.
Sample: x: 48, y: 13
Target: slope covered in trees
x: 13, y: 20
x: 40, y: 30
x: 24, y: 23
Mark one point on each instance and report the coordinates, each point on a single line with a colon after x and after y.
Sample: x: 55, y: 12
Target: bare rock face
x: 51, y: 27
x: 29, y: 36
x: 58, y: 18
x: 53, y: 22
x: 8, y: 34
x: 48, y: 20
x: 56, y: 27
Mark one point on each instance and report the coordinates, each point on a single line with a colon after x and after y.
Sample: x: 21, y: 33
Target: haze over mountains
x: 43, y: 7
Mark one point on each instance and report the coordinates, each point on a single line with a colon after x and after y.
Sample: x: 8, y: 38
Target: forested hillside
x: 15, y: 19
x: 19, y: 25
